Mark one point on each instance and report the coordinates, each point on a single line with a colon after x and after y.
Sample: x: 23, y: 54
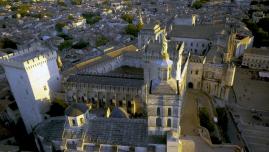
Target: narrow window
x: 169, y: 112
x: 73, y: 122
x: 158, y: 111
x: 168, y: 122
x: 158, y: 122
x: 81, y: 120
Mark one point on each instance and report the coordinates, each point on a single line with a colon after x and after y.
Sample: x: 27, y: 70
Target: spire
x: 164, y: 52
x: 140, y: 18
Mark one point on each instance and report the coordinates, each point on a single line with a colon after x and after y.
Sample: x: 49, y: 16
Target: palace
x: 135, y: 97
x: 128, y: 99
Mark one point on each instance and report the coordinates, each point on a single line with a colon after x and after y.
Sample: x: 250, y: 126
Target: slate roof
x: 76, y: 109
x: 51, y: 129
x: 119, y: 112
x: 198, y: 31
x: 106, y: 80
x: 258, y: 51
x: 116, y: 131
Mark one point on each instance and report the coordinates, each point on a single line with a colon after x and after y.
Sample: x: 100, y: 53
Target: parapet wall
x: 45, y: 55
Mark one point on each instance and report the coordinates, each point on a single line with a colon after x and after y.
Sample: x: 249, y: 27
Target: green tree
x: 76, y: 2
x: 65, y: 36
x: 59, y: 26
x: 65, y: 45
x: 197, y: 5
x: 133, y: 30
x: 3, y: 2
x: 57, y: 108
x: 80, y: 45
x: 23, y: 9
x: 7, y: 43
x: 128, y: 18
x: 91, y: 18
x: 205, y: 120
x: 264, y: 24
x: 101, y: 40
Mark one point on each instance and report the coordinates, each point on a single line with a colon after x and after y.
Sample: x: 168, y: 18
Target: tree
x: 197, y: 5
x: 57, y: 108
x: 80, y: 45
x: 264, y: 24
x: 133, y: 30
x: 7, y: 43
x: 205, y: 121
x: 65, y: 45
x: 128, y: 18
x: 76, y: 2
x: 101, y: 40
x: 23, y: 9
x: 59, y: 26
x: 65, y: 36
x: 91, y: 18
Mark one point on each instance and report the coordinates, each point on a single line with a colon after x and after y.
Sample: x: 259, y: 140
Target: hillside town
x: 134, y: 75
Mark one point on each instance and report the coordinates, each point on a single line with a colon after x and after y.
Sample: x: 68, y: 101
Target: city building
x: 256, y: 58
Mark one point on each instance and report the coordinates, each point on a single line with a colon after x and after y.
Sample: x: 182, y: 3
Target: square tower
x: 32, y: 75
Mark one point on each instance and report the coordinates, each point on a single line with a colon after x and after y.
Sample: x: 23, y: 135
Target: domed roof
x: 119, y: 113
x: 76, y: 109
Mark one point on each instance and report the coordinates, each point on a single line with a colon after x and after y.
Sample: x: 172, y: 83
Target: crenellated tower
x: 33, y: 76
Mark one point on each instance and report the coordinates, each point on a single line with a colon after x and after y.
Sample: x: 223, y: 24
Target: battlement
x: 28, y: 57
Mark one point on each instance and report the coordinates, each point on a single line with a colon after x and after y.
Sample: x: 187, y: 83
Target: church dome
x: 119, y: 113
x: 76, y: 109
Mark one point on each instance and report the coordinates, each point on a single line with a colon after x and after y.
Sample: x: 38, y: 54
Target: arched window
x: 158, y: 122
x: 158, y: 111
x: 168, y: 122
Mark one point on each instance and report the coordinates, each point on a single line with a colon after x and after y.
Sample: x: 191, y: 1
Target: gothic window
x: 169, y: 123
x: 158, y: 111
x: 196, y: 72
x: 191, y: 44
x: 45, y: 88
x: 203, y: 45
x: 158, y: 122
x: 169, y: 112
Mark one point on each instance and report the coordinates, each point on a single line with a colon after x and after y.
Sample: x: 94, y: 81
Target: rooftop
x: 106, y: 80
x: 198, y: 31
x: 115, y: 131
x: 76, y: 109
x: 258, y: 51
